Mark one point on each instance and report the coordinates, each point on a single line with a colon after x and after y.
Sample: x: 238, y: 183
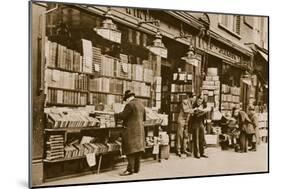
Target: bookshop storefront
x: 224, y: 68
x: 88, y: 57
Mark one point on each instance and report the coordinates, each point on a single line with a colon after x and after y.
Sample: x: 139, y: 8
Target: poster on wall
x: 113, y: 94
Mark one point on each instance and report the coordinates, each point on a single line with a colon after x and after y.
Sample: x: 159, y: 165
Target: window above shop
x: 231, y: 24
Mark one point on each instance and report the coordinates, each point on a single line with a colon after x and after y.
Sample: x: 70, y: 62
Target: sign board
x: 226, y: 53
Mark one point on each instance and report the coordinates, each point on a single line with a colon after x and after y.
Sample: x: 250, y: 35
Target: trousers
x: 180, y: 140
x: 243, y: 141
x: 198, y: 138
x: 134, y: 162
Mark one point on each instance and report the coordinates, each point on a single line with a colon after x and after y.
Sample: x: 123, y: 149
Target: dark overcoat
x: 133, y: 137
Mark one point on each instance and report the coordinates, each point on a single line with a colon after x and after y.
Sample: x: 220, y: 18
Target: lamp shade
x: 158, y: 47
x: 108, y: 29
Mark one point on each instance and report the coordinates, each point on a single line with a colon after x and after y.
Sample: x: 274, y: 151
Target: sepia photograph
x: 123, y: 94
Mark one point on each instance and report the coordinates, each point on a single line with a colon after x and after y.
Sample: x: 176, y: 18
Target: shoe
x: 197, y: 157
x: 253, y: 149
x: 179, y: 154
x: 126, y: 173
x: 204, y: 156
x: 187, y: 153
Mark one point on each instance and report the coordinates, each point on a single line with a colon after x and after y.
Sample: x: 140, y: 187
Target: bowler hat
x: 128, y: 94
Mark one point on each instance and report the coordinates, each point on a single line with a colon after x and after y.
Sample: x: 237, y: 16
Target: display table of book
x: 79, y: 142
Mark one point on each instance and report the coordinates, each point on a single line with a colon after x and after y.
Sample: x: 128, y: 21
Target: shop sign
x: 227, y: 54
x: 140, y: 14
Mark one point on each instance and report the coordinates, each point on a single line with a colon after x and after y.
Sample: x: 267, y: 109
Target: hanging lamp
x: 108, y: 29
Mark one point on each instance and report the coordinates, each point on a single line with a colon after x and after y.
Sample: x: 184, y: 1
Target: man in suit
x: 182, y: 128
x: 133, y: 137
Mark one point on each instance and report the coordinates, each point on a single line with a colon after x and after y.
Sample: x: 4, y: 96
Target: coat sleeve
x: 255, y: 121
x: 125, y: 114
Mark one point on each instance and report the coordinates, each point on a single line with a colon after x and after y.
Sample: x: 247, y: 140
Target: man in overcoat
x: 133, y: 137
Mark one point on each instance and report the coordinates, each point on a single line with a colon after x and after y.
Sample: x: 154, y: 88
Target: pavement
x: 219, y: 162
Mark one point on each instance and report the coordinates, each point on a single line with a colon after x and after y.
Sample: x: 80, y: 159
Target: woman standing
x: 198, y: 136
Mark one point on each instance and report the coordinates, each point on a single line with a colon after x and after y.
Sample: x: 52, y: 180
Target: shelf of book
x: 78, y: 157
x: 67, y: 89
x: 66, y: 70
x: 120, y: 78
x: 118, y: 94
x: 78, y: 129
x: 97, y: 75
x: 107, y: 93
x: 183, y: 92
x: 62, y: 104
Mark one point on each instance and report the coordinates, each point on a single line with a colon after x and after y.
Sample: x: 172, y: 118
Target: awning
x: 265, y: 56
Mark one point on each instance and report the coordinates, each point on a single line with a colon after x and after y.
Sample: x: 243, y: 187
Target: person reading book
x: 197, y: 123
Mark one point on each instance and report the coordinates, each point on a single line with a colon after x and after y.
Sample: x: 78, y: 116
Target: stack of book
x: 59, y: 56
x: 211, y: 88
x: 50, y: 53
x: 147, y: 75
x: 158, y: 91
x: 96, y: 60
x: 181, y: 88
x: 96, y: 98
x: 230, y: 98
x: 55, y: 147
x: 123, y: 68
x: 106, y: 120
x: 70, y: 119
x: 139, y: 88
x: 56, y: 96
x: 178, y: 97
x: 107, y: 85
x: 113, y: 146
x: 66, y: 80
x: 99, y: 84
x: 137, y: 72
x: 107, y: 65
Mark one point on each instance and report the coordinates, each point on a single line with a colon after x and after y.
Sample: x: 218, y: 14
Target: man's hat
x: 128, y: 94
